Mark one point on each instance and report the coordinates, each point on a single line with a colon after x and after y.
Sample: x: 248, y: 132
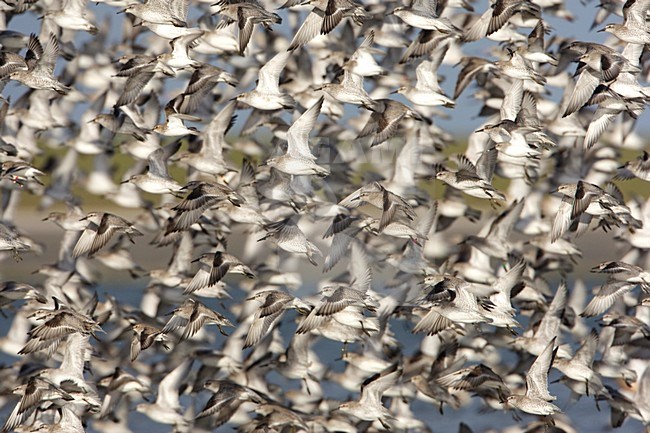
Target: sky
x: 460, y: 121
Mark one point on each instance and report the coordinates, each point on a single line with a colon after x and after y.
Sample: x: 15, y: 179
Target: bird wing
x: 170, y: 384
x: 298, y: 133
x: 537, y: 377
x: 269, y: 75
x: 158, y: 158
x: 550, y: 323
x: 214, y: 133
x: 308, y: 30
x: 584, y: 88
x: 606, y: 296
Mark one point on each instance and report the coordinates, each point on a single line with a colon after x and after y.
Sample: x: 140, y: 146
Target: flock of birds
x: 484, y: 273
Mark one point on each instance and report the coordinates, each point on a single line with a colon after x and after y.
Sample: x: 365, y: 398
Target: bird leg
x: 384, y: 424
x: 363, y: 328
x: 304, y: 379
x: 17, y: 256
x: 550, y: 422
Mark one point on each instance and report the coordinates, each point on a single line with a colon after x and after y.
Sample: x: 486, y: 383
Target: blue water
x: 583, y: 414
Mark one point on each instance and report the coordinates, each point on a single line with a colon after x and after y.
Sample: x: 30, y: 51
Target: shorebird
x: 192, y: 316
x: 496, y: 17
x: 336, y: 10
x: 33, y: 394
x: 20, y: 172
x: 548, y: 327
x: 610, y: 105
x: 143, y: 338
x: 179, y: 59
x: 583, y: 200
x: 362, y: 62
x: 473, y: 67
x: 298, y: 132
x: 267, y: 94
x: 427, y: 91
x: 624, y: 272
x: 630, y: 33
x: 470, y: 180
x: 213, y: 267
x: 226, y: 398
x: 340, y: 314
x: 579, y: 367
x: 100, y: 229
x: 536, y: 50
x: 298, y: 160
x: 210, y: 159
x: 274, y: 304
x: 392, y: 205
x: 157, y: 179
x: 71, y: 413
x: 350, y: 90
x: 71, y: 371
x: 73, y: 15
x: 204, y: 78
x: 369, y: 407
x: 160, y: 12
x: 37, y: 71
x: 503, y: 313
x: 139, y: 70
x: 287, y: 236
x: 11, y: 291
x: 607, y: 294
x: 639, y: 167
x: 519, y: 68
x: 246, y: 15
x: 598, y: 64
x: 448, y: 302
x: 203, y: 195
x: 537, y: 399
x: 61, y: 324
x: 118, y: 122
x: 117, y: 385
x: 174, y: 125
x: 478, y: 379
x: 497, y: 242
x: 11, y: 241
x: 423, y: 15
x: 297, y: 166
x: 167, y: 408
